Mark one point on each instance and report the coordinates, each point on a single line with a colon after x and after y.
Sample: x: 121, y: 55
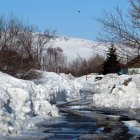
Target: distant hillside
x: 73, y: 47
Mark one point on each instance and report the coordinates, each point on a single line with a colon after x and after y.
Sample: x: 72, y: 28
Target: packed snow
x: 112, y: 90
x: 60, y: 88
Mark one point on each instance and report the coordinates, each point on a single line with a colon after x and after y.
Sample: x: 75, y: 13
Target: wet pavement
x: 79, y: 122
x: 72, y: 127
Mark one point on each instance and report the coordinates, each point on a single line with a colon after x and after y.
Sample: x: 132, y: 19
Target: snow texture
x: 134, y: 127
x: 114, y: 91
x: 74, y: 47
x: 25, y: 103
x: 21, y: 101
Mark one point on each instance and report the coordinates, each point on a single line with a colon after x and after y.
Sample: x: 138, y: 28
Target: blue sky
x: 62, y: 15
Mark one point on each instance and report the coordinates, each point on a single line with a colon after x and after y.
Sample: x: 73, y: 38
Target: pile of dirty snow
x: 113, y: 91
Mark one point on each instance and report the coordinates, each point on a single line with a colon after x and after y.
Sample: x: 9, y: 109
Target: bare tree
x: 120, y: 31
x: 135, y: 12
x: 9, y: 30
x: 40, y: 46
x: 21, y: 48
x: 81, y: 66
x: 26, y: 46
x: 55, y: 61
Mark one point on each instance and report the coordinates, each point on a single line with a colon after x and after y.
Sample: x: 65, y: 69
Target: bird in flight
x: 78, y: 11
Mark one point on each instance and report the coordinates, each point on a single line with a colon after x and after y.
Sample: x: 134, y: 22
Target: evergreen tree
x: 111, y: 65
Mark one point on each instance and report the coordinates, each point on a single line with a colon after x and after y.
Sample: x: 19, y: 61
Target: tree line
x: 23, y: 47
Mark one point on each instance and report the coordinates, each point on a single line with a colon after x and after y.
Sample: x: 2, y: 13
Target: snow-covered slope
x: 73, y: 47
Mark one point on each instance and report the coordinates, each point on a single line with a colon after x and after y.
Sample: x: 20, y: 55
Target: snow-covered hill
x: 74, y: 47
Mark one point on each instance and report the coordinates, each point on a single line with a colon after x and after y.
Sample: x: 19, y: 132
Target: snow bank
x: 114, y: 91
x: 21, y: 101
x: 25, y: 103
x: 60, y: 88
x: 136, y: 80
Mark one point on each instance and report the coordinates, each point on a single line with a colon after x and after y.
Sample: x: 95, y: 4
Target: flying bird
x: 78, y: 11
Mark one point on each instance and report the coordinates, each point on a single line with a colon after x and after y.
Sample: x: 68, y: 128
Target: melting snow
x: 134, y: 127
x: 25, y: 103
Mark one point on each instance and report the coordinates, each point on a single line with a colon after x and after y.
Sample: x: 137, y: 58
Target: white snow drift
x: 115, y: 91
x: 20, y: 101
